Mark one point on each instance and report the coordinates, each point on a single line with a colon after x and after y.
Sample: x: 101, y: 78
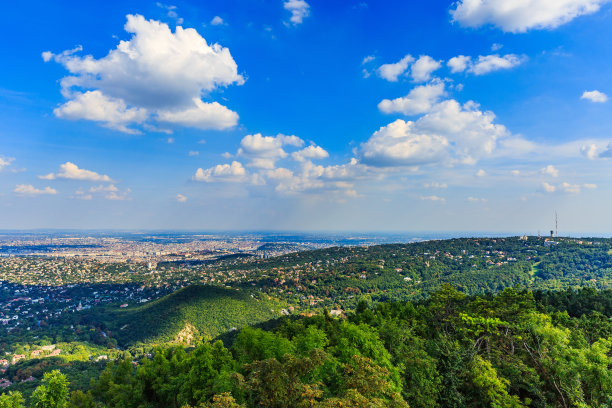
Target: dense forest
x: 513, y: 349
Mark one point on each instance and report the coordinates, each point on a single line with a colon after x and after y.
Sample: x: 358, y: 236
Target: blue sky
x: 307, y: 115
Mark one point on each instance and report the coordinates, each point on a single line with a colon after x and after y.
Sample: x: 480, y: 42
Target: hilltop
x: 194, y: 312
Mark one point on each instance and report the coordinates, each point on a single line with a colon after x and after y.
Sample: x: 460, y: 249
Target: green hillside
x: 189, y: 313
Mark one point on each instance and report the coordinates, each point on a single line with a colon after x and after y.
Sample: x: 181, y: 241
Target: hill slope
x: 188, y: 312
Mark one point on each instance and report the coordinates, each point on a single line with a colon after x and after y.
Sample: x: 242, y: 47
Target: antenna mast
x: 556, y: 225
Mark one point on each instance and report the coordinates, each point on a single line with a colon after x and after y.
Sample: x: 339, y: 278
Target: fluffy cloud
x: 264, y: 151
x: 595, y: 96
x: 550, y: 170
x: 367, y: 59
x: 234, y: 173
x: 311, y: 152
x: 30, y: 190
x: 181, y: 198
x: 459, y: 63
x: 549, y: 188
x: 71, y: 171
x: 118, y: 196
x: 391, y: 72
x: 337, y: 179
x: 299, y: 10
x: 216, y: 21
x: 279, y: 174
x: 566, y: 187
x: 401, y: 144
x: 420, y: 100
x: 520, y: 16
x: 592, y: 151
x: 570, y: 188
x: 476, y: 200
x: 490, y: 63
x: 481, y: 173
x: 472, y: 132
x: 589, y: 151
x: 108, y: 191
x: 449, y: 131
x: 422, y: 69
x: 95, y: 106
x: 155, y: 75
x: 202, y: 115
x: 484, y: 63
x: 5, y: 162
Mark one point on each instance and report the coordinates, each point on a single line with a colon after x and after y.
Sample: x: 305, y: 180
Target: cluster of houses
x: 42, y: 352
x: 27, y: 307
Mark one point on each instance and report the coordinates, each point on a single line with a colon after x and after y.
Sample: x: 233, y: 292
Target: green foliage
x: 178, y: 317
x: 492, y: 388
x: 53, y: 393
x: 11, y: 400
x: 450, y: 350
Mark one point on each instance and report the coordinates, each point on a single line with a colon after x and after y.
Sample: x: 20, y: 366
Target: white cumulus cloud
x: 484, y: 64
x: 521, y: 15
x: 489, y: 63
x: 234, y: 172
x: 181, y: 198
x: 5, y: 162
x: 95, y: 106
x: 265, y: 151
x: 472, y: 131
x: 202, y: 115
x: 420, y: 100
x: 459, y: 63
x: 550, y: 170
x: 216, y: 21
x: 155, y: 75
x: 549, y: 188
x: 299, y: 10
x: 71, y: 171
x: 391, y: 72
x: 570, y: 188
x: 595, y: 96
x: 30, y: 190
x: 422, y: 68
x: 449, y: 131
x: 401, y: 144
x: 311, y: 152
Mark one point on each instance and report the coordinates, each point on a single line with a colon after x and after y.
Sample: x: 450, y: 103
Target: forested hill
x: 337, y: 277
x: 185, y: 316
x: 513, y: 350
